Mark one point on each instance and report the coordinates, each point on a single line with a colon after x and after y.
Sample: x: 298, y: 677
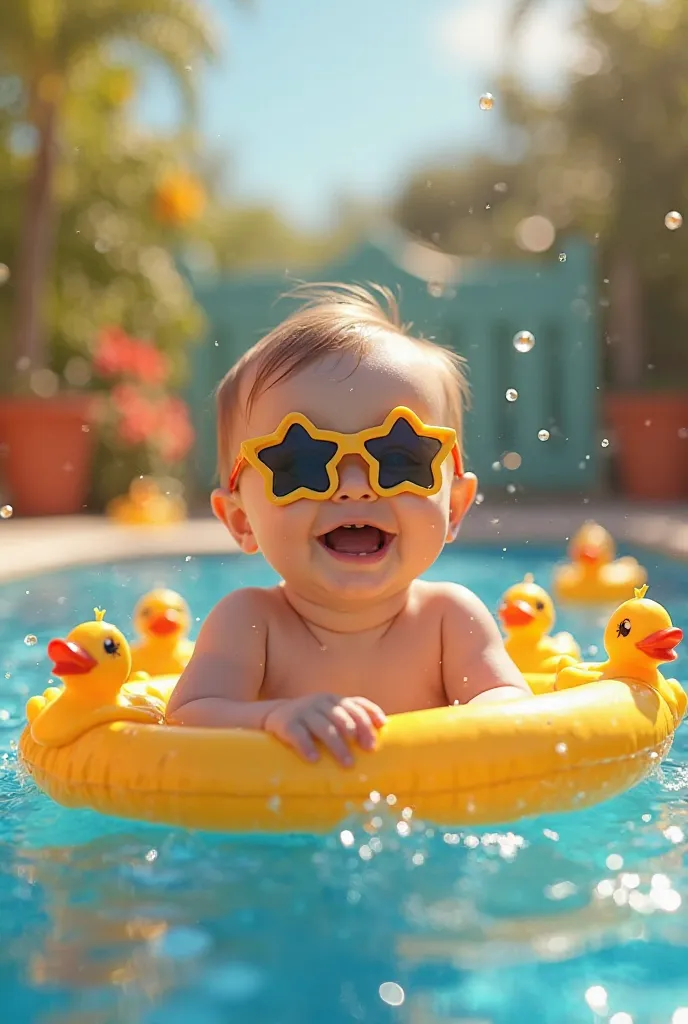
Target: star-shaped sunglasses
x: 403, y: 455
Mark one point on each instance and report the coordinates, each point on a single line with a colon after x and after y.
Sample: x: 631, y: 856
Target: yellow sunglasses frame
x: 348, y: 444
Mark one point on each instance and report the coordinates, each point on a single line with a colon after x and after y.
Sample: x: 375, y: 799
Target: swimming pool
x: 571, y: 918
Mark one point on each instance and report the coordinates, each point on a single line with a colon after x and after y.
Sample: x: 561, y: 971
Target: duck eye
x: 624, y: 627
x: 110, y: 646
x: 539, y: 605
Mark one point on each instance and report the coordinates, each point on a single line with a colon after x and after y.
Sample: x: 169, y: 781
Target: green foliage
x: 606, y: 158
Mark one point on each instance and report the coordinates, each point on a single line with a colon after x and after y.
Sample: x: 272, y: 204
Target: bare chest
x: 400, y: 671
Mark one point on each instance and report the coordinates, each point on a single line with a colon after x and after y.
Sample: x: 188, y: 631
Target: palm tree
x: 41, y: 43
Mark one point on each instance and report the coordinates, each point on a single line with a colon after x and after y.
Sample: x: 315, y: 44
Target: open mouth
x: 357, y: 540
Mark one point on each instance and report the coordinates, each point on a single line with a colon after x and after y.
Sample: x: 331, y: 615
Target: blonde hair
x: 338, y: 320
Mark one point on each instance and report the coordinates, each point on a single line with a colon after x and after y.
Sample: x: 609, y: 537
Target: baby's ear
x: 227, y: 508
x: 463, y: 493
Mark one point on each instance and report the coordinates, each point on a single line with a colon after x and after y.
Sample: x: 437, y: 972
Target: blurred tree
x: 607, y: 158
x: 44, y: 42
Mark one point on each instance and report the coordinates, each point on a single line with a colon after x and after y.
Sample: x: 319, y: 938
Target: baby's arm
x: 475, y: 665
x: 220, y: 685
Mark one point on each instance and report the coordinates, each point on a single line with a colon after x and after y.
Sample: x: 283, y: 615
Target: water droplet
x: 346, y: 838
x: 674, y: 834
x: 4, y: 273
x: 605, y: 442
x: 543, y: 435
x: 151, y: 856
x: 510, y: 489
x: 511, y: 394
x: 436, y: 289
x: 562, y: 257
x: 496, y: 466
x: 418, y: 859
x: 511, y: 460
x: 30, y: 640
x: 621, y: 1018
x: 391, y: 799
x: 187, y: 67
x: 523, y: 341
x: 391, y: 993
x: 561, y: 748
x: 501, y: 186
x: 596, y: 997
x: 6, y: 512
x: 614, y: 862
x: 673, y: 220
x: 403, y: 828
x: 486, y: 101
x: 479, y: 498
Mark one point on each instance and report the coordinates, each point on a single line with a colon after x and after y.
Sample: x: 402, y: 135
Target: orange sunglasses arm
x: 234, y: 476
x: 458, y: 462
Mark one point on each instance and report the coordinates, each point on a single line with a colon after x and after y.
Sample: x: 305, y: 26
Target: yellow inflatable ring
x: 476, y: 764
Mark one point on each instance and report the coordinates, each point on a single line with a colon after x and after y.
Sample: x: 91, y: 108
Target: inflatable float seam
x: 580, y: 766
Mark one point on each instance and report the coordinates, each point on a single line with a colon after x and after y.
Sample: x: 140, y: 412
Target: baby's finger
x: 326, y: 731
x: 299, y: 736
x: 366, y: 730
x: 377, y: 715
x: 343, y: 719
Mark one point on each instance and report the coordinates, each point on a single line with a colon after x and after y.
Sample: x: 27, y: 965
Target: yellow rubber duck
x: 593, y: 575
x: 93, y: 663
x: 639, y: 636
x: 163, y: 619
x: 146, y: 505
x: 527, y: 615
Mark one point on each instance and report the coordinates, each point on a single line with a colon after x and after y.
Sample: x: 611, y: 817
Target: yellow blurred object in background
x: 146, y: 505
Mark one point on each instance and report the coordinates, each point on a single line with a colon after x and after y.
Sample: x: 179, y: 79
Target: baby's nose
x: 354, y: 480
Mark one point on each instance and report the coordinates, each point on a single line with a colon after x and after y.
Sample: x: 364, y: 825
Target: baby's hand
x: 335, y: 721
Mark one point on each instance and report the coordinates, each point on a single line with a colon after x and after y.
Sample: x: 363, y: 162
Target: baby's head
x: 343, y: 519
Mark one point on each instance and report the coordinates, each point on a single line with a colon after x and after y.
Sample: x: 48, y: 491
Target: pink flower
x: 119, y: 355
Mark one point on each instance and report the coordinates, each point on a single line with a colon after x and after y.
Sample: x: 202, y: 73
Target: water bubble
x: 543, y: 435
x: 510, y: 489
x: 6, y: 512
x: 674, y: 834
x: 605, y: 442
x: 496, y: 466
x: 151, y: 856
x: 365, y: 853
x: 403, y: 828
x: 673, y: 220
x: 562, y: 257
x: 511, y: 394
x: 4, y: 273
x: 486, y: 101
x: 391, y: 993
x: 30, y: 640
x: 614, y: 862
x: 511, y: 460
x: 596, y: 997
x: 391, y: 799
x: 561, y: 748
x: 346, y: 838
x: 501, y: 186
x: 523, y: 341
x: 435, y: 289
x: 479, y: 498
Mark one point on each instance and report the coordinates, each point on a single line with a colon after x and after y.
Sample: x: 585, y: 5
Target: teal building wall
x: 476, y: 307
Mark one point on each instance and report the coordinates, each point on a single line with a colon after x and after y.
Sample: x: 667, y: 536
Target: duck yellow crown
x: 640, y: 592
x: 99, y: 614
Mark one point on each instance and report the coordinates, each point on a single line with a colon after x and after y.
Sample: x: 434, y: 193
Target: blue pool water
x: 547, y: 920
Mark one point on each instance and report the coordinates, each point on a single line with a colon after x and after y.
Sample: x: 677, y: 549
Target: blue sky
x: 316, y: 100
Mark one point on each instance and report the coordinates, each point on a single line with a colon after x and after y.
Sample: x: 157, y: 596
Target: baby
x: 339, y: 441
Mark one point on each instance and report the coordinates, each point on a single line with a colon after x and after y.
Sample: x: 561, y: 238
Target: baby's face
x: 356, y: 546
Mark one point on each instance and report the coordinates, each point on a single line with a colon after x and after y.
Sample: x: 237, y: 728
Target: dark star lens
x: 298, y: 461
x: 404, y: 456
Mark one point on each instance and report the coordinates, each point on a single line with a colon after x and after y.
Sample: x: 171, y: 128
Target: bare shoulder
x: 241, y: 610
x: 457, y: 605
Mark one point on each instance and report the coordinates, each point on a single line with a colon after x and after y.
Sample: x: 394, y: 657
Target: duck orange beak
x: 515, y: 613
x: 163, y: 625
x: 660, y: 645
x: 70, y: 659
x: 589, y: 555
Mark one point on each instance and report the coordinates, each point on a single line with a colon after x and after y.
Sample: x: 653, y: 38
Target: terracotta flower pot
x: 651, y: 443
x: 45, y: 454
